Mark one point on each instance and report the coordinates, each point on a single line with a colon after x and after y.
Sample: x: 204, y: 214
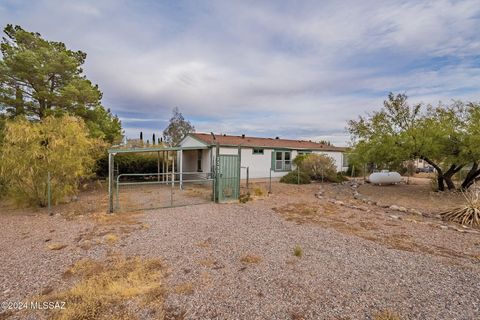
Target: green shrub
x: 294, y: 178
x: 319, y: 167
x: 129, y: 163
x: 298, y: 251
x: 31, y: 150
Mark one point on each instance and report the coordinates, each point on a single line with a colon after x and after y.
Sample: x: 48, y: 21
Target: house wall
x: 259, y: 164
x: 189, y: 141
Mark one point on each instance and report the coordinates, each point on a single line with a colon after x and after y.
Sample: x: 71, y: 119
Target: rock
x: 394, y: 217
x: 358, y: 196
x: 415, y: 211
x: 402, y: 209
x: 338, y: 202
x: 398, y: 208
x: 394, y: 207
x: 444, y: 227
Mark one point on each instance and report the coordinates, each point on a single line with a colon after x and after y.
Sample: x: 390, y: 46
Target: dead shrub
x: 109, y: 289
x: 469, y: 213
x: 251, y: 258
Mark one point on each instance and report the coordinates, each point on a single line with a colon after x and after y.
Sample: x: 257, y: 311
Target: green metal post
x: 110, y: 182
x: 270, y: 185
x: 239, y: 171
x: 49, y: 193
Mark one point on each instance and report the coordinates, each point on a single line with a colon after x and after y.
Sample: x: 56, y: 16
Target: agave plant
x: 469, y: 213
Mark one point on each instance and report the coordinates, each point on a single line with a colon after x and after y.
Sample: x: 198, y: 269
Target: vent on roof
x: 276, y: 138
x: 243, y: 136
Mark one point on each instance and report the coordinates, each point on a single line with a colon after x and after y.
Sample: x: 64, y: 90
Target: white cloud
x: 296, y: 69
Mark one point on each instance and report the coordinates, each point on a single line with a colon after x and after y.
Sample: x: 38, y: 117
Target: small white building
x: 262, y: 156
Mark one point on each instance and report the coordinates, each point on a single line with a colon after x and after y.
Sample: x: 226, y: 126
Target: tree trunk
x: 472, y: 175
x: 440, y: 180
x: 447, y: 176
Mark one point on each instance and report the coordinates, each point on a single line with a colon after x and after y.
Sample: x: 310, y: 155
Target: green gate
x: 227, y: 177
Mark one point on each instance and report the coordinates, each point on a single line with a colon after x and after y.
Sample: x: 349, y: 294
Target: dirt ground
x: 301, y: 252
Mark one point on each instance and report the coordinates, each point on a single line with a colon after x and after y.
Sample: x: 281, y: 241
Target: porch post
x: 181, y: 169
x: 158, y: 166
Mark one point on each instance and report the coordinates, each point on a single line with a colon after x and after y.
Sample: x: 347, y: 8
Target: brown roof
x: 227, y: 140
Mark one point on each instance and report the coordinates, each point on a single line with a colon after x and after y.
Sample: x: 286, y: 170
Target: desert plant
x: 295, y: 177
x: 319, y: 167
x: 298, y: 251
x: 245, y: 197
x: 31, y: 150
x: 469, y: 213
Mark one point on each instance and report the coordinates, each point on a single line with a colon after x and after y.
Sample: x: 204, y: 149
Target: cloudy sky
x: 294, y: 69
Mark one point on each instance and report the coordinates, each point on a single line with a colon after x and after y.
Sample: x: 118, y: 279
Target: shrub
x: 294, y: 177
x: 129, y: 163
x: 31, y: 150
x: 319, y: 167
x: 298, y: 251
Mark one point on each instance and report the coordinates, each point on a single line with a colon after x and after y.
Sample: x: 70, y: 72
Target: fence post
x: 110, y: 182
x: 248, y: 176
x: 49, y: 193
x: 270, y: 184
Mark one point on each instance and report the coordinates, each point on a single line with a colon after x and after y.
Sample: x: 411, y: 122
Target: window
x: 303, y: 152
x: 345, y: 160
x: 257, y: 151
x: 283, y: 161
x: 199, y: 161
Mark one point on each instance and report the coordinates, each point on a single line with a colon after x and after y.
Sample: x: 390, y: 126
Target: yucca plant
x: 469, y: 213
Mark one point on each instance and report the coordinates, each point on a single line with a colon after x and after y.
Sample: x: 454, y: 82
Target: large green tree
x: 446, y: 137
x: 40, y: 78
x: 177, y: 128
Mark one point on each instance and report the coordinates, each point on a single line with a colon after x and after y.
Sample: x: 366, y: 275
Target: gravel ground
x: 339, y: 276
x: 27, y: 266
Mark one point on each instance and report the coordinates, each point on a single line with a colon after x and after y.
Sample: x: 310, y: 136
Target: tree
x: 177, y: 128
x: 39, y: 78
x: 443, y: 136
x: 33, y: 149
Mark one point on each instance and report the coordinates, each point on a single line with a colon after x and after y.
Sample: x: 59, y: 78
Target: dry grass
x: 258, y: 191
x: 56, y: 246
x: 386, y: 315
x: 110, y: 228
x: 111, y: 238
x: 251, y: 258
x: 184, y: 288
x: 107, y: 290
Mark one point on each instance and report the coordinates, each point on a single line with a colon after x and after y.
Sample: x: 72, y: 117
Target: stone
x: 394, y: 217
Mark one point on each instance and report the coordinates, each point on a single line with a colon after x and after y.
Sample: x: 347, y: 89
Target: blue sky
x: 266, y: 68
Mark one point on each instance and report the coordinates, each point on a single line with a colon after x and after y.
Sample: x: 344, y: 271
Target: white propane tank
x: 385, y: 177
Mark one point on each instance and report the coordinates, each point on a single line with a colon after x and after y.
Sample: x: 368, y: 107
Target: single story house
x: 262, y: 156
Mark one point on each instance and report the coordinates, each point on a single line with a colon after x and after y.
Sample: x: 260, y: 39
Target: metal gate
x: 227, y: 177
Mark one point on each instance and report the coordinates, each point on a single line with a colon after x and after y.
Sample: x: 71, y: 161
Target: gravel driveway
x: 338, y: 276
x: 236, y: 261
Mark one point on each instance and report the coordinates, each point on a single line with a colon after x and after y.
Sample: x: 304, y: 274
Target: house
x: 262, y: 156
